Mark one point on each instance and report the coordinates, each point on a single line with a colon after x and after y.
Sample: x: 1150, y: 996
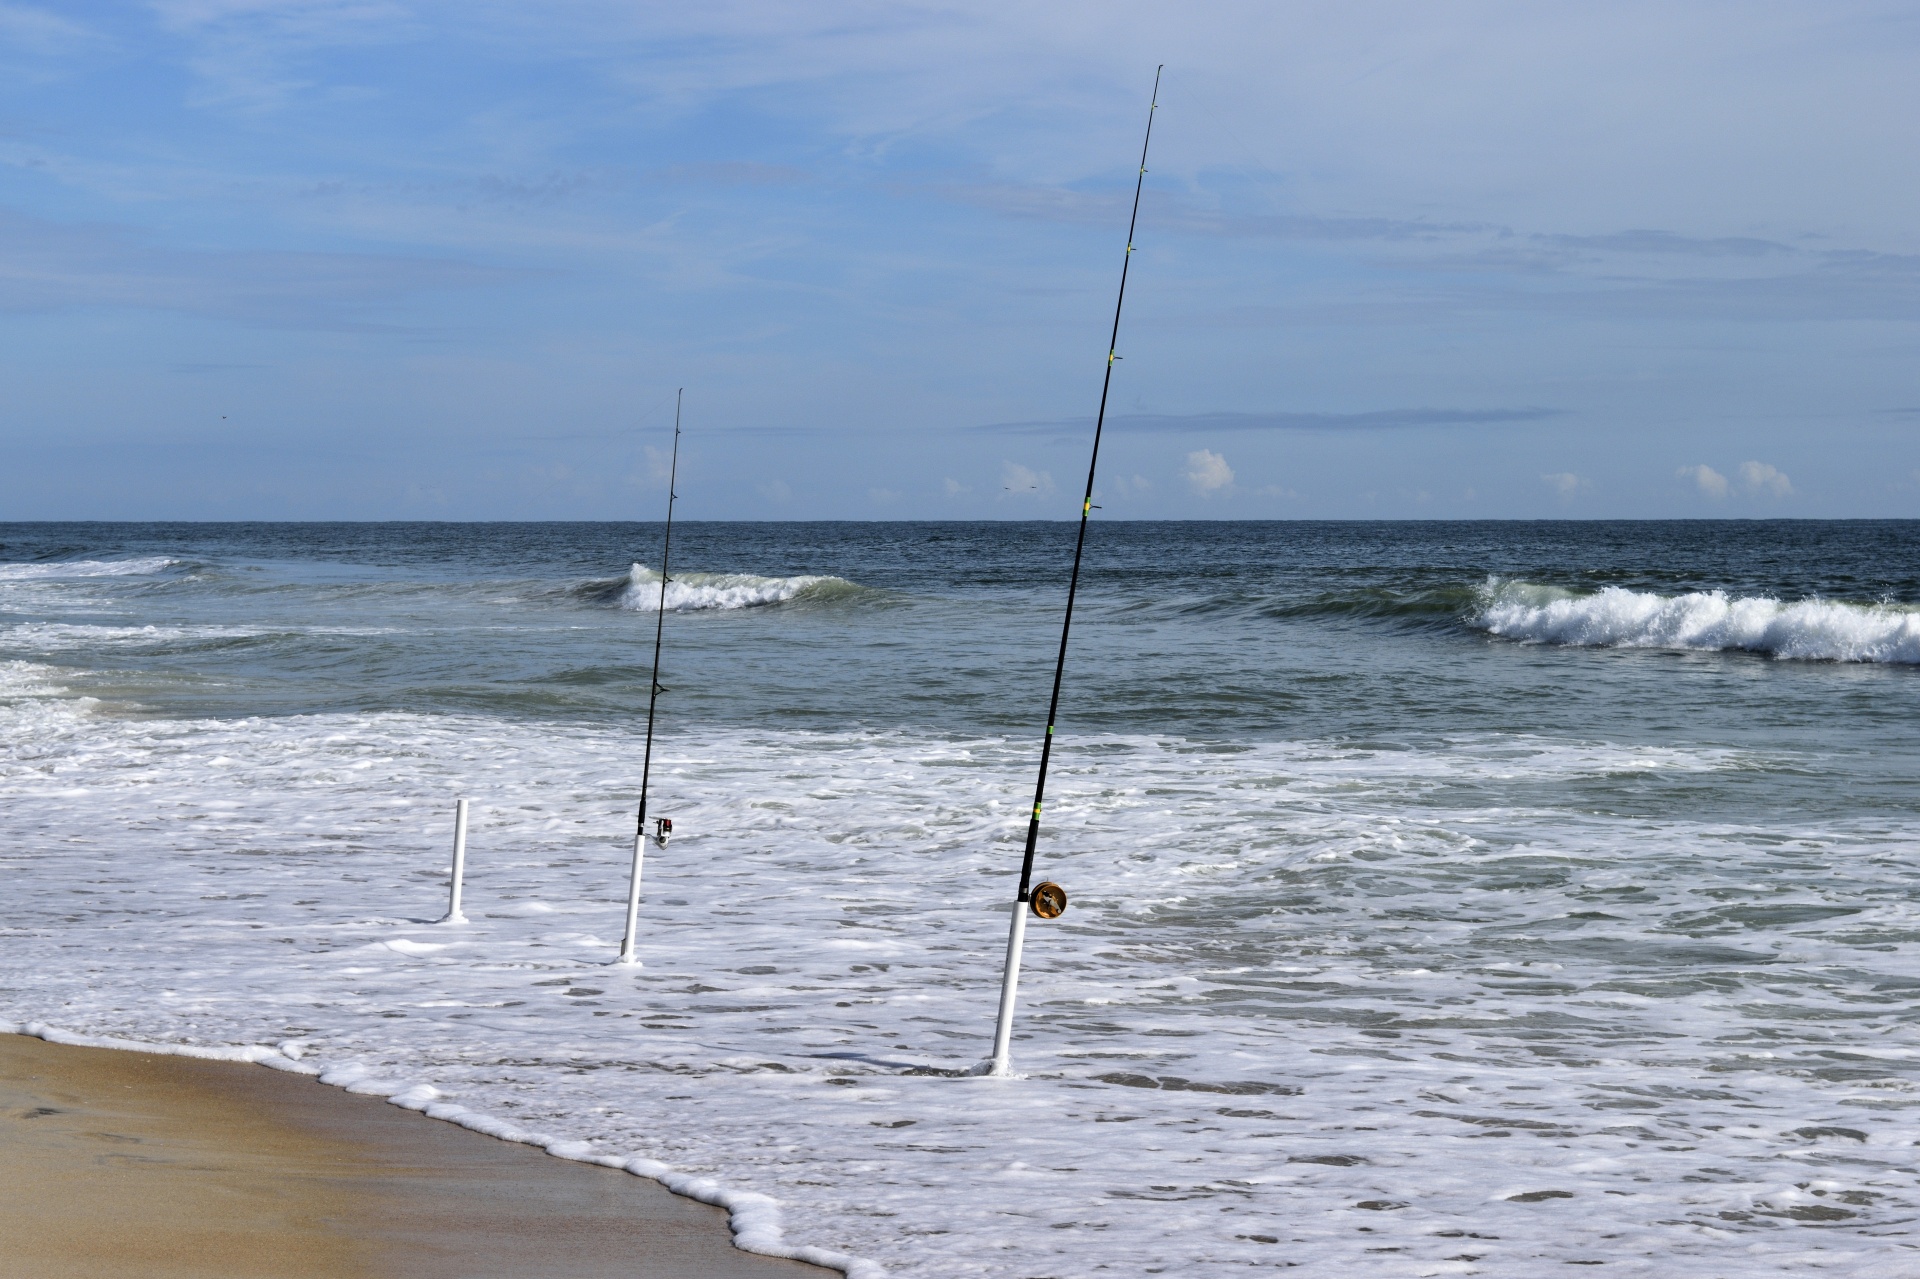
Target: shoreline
x: 122, y: 1161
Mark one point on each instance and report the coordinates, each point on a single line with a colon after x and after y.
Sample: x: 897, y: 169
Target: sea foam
x: 1817, y: 630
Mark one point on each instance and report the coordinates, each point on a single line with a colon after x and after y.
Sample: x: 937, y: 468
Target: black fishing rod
x: 665, y: 824
x: 1049, y: 900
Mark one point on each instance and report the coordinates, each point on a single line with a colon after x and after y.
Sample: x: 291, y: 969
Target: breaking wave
x: 690, y: 592
x: 85, y: 568
x: 1709, y: 621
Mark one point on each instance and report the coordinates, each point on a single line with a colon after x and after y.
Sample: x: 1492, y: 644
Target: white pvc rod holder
x: 1002, y: 1061
x: 459, y: 863
x: 633, y: 894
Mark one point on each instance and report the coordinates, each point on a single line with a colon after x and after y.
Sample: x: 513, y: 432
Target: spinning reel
x: 1047, y: 900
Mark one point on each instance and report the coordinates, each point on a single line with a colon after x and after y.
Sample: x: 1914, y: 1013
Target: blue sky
x: 408, y: 259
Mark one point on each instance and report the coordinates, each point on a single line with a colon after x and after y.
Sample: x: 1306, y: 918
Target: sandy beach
x: 124, y: 1163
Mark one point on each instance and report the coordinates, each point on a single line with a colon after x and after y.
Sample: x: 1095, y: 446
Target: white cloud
x: 954, y: 487
x: 775, y: 490
x: 1706, y: 479
x: 1565, y: 483
x: 1208, y: 472
x: 883, y: 497
x: 1759, y: 476
x: 1019, y: 480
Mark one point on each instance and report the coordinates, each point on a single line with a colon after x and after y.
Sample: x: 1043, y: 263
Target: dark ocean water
x: 1373, y: 632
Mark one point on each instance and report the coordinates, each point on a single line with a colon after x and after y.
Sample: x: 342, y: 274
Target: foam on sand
x: 753, y: 1218
x: 219, y: 1151
x: 1818, y: 630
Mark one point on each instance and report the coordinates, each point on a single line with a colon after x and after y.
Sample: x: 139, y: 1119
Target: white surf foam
x: 85, y: 568
x: 688, y: 592
x: 67, y: 636
x: 1360, y: 1011
x: 1711, y: 620
x: 50, y: 636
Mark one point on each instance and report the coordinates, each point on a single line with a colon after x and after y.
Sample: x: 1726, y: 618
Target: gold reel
x: 1048, y: 900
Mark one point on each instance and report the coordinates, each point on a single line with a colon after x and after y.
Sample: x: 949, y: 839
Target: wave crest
x: 1708, y: 621
x: 85, y: 568
x: 690, y: 592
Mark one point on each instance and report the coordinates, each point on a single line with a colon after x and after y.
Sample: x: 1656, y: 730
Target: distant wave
x: 85, y: 568
x: 690, y: 592
x: 1711, y: 621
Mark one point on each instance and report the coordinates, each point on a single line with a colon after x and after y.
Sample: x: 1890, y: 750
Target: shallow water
x: 1447, y: 898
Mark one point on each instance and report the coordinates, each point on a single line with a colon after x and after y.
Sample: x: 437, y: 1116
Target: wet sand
x: 122, y: 1163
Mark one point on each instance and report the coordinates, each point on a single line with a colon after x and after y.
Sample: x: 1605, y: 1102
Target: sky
x: 413, y: 259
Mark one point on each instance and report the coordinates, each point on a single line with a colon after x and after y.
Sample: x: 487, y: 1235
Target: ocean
x: 1446, y: 898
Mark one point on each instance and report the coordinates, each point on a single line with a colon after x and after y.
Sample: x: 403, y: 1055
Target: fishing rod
x: 665, y: 824
x: 1049, y: 900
